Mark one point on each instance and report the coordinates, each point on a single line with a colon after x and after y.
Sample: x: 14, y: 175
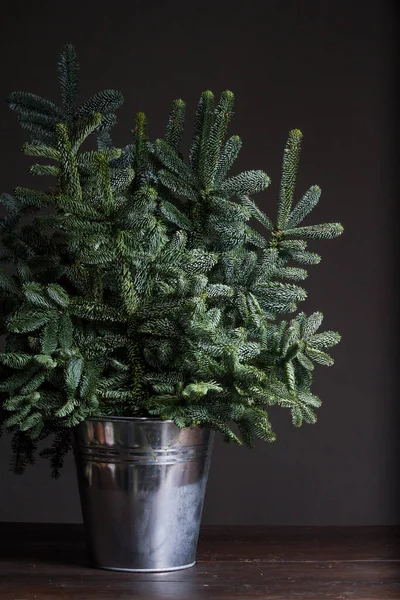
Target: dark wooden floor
x: 276, y: 563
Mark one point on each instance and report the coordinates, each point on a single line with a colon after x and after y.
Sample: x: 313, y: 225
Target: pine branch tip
x: 207, y: 95
x: 179, y: 102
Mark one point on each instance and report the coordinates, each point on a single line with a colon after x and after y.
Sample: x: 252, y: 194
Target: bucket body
x: 142, y: 484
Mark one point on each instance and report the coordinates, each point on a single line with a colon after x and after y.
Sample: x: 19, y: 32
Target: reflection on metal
x: 142, y: 484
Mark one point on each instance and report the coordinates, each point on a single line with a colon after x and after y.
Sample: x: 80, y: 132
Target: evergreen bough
x: 143, y: 289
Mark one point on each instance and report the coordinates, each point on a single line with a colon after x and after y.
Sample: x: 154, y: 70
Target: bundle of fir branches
x: 143, y: 289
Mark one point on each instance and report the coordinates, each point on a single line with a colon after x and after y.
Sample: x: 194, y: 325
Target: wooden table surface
x: 43, y: 561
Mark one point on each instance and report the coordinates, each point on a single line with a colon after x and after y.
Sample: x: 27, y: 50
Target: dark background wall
x: 327, y: 69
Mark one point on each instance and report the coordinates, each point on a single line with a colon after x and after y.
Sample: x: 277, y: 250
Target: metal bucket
x: 142, y: 485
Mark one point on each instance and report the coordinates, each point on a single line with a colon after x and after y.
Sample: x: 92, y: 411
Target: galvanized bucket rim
x: 112, y: 418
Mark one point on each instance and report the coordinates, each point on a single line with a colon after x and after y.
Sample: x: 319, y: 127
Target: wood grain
x: 43, y: 561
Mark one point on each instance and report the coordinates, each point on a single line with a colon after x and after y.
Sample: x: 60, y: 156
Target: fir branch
x: 177, y: 185
x: 41, y: 151
x: 200, y: 132
x: 175, y: 126
x: 249, y: 182
x: 140, y: 162
x: 217, y: 132
x: 227, y: 157
x: 68, y: 74
x: 69, y: 182
x: 61, y: 446
x: 28, y: 319
x: 22, y: 102
x: 23, y: 451
x: 304, y: 207
x: 324, y: 231
x: 171, y: 160
x: 83, y: 128
x: 44, y: 170
x: 106, y: 101
x: 291, y: 158
x: 256, y: 212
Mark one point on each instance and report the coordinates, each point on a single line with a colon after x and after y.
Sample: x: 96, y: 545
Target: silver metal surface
x: 142, y: 485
